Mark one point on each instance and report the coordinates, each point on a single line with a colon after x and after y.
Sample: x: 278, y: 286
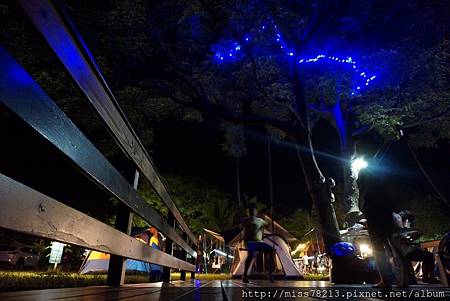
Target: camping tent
x: 217, y: 255
x: 97, y: 262
x: 285, y: 267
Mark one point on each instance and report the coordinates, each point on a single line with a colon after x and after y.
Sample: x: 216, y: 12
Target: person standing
x: 200, y: 260
x: 380, y: 202
x: 253, y: 228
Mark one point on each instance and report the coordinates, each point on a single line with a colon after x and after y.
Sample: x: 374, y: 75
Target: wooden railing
x: 28, y: 211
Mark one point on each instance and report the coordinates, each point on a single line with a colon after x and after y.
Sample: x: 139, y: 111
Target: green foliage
x: 299, y: 222
x: 157, y: 59
x: 41, y: 246
x: 234, y: 144
x: 150, y: 196
x: 415, y: 95
x: 431, y: 216
x: 383, y: 120
x: 202, y: 205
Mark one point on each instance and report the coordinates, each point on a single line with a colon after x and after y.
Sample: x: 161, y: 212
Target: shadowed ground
x: 231, y: 290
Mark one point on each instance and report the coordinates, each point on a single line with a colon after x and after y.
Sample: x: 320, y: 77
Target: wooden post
x: 193, y: 259
x: 183, y: 257
x: 168, y: 248
x: 124, y: 220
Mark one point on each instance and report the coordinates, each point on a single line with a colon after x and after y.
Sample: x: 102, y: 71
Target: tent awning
x: 215, y: 235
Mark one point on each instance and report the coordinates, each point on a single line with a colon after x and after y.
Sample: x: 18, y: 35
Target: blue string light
x: 231, y: 51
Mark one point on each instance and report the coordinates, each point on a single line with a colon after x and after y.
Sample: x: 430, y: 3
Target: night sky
x: 195, y: 150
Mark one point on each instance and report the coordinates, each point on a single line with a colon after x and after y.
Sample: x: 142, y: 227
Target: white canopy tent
x: 285, y: 267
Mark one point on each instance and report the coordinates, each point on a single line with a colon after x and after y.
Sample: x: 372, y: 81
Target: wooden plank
x: 23, y: 96
x: 73, y: 53
x: 28, y: 211
x: 183, y: 257
x: 168, y: 249
x: 83, y: 293
x: 124, y: 222
x: 176, y: 290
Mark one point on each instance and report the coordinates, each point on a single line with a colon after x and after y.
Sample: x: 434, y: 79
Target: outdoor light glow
x: 358, y: 164
x: 231, y: 51
x: 299, y: 248
x: 221, y: 253
x: 365, y: 250
x: 218, y: 252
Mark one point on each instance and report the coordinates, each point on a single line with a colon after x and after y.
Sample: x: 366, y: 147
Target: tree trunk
x: 351, y: 193
x: 344, y: 124
x: 320, y: 192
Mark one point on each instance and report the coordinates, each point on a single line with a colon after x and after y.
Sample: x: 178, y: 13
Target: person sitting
x: 412, y: 252
x: 253, y: 228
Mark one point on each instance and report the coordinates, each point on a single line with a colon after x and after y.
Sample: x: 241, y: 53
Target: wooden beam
x: 183, y: 257
x: 168, y: 248
x: 31, y: 212
x: 124, y: 222
x: 24, y: 97
x: 61, y: 35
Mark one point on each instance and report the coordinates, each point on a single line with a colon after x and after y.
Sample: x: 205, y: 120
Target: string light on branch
x: 230, y: 51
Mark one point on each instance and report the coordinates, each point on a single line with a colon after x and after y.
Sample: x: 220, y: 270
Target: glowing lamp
x: 358, y: 164
x: 365, y: 250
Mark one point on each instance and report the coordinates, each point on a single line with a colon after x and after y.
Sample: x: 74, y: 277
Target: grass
x: 176, y: 276
x: 26, y: 280
x: 317, y: 277
x: 10, y: 281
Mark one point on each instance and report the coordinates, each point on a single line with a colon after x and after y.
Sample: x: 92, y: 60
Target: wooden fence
x: 28, y: 211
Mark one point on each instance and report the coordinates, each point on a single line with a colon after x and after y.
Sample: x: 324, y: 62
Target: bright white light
x: 358, y: 164
x: 218, y: 252
x: 299, y: 248
x: 221, y: 253
x: 365, y: 250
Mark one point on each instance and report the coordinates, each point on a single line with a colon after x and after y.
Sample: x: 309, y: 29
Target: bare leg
x: 383, y: 268
x: 248, y: 261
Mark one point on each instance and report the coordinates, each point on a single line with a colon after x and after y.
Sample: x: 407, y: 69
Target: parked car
x: 18, y: 257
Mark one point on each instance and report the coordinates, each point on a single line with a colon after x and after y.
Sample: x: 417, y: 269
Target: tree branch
x: 429, y: 119
x: 361, y: 131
